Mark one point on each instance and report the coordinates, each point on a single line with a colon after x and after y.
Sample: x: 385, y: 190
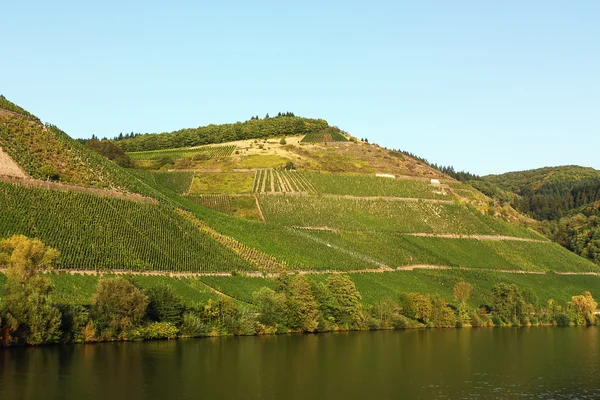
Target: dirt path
x: 260, y: 213
x: 81, y: 189
x: 476, y: 237
x: 259, y: 274
x: 386, y: 198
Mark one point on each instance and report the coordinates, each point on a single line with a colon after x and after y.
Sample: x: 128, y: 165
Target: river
x: 485, y: 363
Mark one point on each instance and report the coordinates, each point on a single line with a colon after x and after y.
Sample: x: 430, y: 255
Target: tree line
x: 120, y: 310
x: 283, y: 124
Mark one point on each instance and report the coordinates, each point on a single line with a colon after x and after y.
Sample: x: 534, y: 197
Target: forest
x: 282, y: 124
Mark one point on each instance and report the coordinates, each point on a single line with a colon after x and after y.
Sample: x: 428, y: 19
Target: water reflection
x: 428, y: 364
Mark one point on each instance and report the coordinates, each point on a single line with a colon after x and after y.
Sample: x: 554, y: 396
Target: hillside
x: 44, y: 152
x: 235, y: 214
x: 564, y: 198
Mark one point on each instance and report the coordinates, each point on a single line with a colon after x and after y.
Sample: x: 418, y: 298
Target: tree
x: 118, y: 305
x: 164, y: 305
x: 27, y: 309
x: 348, y: 307
x: 302, y: 308
x: 462, y: 291
x: 271, y: 306
x: 585, y: 307
x: 507, y: 302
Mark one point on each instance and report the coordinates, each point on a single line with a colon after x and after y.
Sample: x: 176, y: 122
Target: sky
x: 484, y: 86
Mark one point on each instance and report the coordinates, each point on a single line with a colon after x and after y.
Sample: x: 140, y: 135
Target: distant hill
x: 565, y: 198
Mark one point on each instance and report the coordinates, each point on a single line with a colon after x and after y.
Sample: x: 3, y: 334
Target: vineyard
x: 384, y: 216
x: 176, y: 181
x: 200, y: 152
x: 370, y: 185
x: 324, y: 136
x: 281, y: 181
x: 103, y: 233
x: 376, y: 287
x: 240, y: 206
x: 222, y: 183
x: 260, y: 260
x: 396, y: 250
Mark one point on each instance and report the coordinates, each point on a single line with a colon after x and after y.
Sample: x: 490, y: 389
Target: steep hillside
x: 249, y: 209
x: 44, y: 152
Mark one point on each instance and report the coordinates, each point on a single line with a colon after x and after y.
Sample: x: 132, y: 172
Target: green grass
x: 376, y: 287
x: 239, y: 287
x: 78, y: 289
x: 400, y: 250
x: 110, y: 233
x: 222, y: 183
x: 239, y: 206
x: 371, y: 185
x: 382, y: 215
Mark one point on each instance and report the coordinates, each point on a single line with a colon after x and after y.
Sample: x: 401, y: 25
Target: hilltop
x: 292, y: 195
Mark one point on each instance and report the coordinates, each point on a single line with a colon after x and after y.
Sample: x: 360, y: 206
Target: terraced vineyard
x: 324, y: 136
x: 94, y: 232
x: 280, y: 181
x: 371, y: 185
x: 398, y: 250
x: 241, y: 206
x: 205, y: 152
x: 383, y: 216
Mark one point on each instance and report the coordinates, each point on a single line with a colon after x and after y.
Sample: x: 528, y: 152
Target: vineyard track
x: 317, y: 228
x: 260, y: 213
x: 386, y: 198
x: 73, y: 188
x: 252, y: 256
x: 258, y: 274
x: 476, y: 237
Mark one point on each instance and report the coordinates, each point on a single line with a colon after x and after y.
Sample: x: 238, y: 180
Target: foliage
x: 462, y: 291
x: 164, y: 305
x: 507, y: 302
x: 156, y: 330
x: 118, y: 306
x: 255, y: 128
x: 346, y: 302
x: 109, y: 150
x: 585, y: 307
x: 27, y: 309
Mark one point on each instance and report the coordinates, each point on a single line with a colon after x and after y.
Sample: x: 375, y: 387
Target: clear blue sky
x: 486, y: 86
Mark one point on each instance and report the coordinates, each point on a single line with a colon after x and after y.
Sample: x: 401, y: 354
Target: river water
x: 486, y: 363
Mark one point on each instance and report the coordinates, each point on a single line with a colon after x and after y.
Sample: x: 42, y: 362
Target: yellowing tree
x: 585, y: 307
x: 27, y: 310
